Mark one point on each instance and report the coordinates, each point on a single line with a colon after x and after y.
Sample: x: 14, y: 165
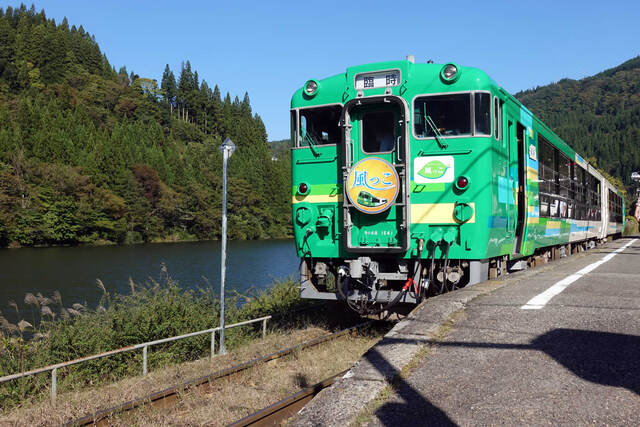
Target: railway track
x: 280, y: 411
x: 168, y: 397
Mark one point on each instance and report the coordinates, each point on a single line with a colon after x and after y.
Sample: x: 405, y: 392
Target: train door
x: 521, y: 200
x: 376, y: 208
x: 512, y: 175
x: 517, y: 173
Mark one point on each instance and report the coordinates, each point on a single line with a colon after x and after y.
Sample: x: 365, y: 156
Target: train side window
x: 613, y: 206
x: 553, y: 208
x: 584, y: 191
x: 564, y: 208
x: 564, y: 175
x: 580, y: 193
x: 593, y: 198
x: 482, y: 107
x: 598, y: 199
x: 544, y: 205
x: 572, y: 181
x: 547, y: 166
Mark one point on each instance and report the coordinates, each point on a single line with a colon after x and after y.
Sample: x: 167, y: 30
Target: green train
x: 410, y: 179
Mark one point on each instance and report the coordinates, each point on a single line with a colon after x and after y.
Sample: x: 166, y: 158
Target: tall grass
x: 56, y: 333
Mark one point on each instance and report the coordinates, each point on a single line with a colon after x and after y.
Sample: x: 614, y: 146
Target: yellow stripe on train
x: 326, y: 198
x: 436, y: 213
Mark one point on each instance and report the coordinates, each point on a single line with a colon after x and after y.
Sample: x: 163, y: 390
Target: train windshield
x: 319, y: 126
x: 459, y: 114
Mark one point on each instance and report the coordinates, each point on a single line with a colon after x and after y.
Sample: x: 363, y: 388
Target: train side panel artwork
x: 414, y: 179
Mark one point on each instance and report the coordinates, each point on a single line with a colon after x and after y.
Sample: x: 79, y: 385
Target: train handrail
x: 144, y: 346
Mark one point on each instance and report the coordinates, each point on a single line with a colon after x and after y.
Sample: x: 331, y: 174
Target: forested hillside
x: 599, y: 116
x: 89, y: 154
x: 281, y: 149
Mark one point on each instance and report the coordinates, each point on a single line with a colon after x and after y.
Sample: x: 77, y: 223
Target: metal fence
x: 143, y: 346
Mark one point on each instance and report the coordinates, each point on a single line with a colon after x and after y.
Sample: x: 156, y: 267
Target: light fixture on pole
x: 227, y: 148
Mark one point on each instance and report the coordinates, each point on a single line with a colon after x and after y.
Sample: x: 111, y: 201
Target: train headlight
x: 450, y: 73
x: 311, y: 87
x: 462, y: 212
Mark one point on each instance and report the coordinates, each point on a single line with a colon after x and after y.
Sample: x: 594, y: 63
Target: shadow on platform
x: 600, y: 357
x: 414, y: 408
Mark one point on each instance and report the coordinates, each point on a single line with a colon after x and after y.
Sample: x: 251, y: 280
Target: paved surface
x: 475, y: 357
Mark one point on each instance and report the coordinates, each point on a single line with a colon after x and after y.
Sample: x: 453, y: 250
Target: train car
x: 410, y: 179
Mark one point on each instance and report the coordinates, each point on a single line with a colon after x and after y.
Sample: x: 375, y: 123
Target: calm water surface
x: 73, y: 270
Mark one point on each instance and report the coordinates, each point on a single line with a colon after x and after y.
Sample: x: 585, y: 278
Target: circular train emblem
x: 372, y: 185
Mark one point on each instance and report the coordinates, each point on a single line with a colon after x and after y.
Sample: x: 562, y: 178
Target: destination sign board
x: 379, y: 79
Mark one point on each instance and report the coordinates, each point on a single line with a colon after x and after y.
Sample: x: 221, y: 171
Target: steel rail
x: 289, y: 406
x: 169, y: 395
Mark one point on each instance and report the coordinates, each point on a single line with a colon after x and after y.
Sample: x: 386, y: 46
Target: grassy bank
x: 55, y: 333
x: 227, y: 400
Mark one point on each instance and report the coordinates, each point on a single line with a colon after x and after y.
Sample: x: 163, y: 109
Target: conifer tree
x: 168, y: 87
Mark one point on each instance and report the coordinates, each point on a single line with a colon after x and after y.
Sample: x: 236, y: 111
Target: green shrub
x: 631, y: 227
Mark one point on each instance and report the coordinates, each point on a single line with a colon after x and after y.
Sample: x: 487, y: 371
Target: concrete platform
x: 482, y: 356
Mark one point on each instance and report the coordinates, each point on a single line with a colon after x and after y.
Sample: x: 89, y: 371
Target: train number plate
x: 380, y: 79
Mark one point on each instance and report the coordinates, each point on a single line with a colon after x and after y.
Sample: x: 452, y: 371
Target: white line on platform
x: 539, y: 301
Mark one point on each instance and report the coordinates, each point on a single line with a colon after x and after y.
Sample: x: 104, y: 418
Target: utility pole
x: 227, y: 148
x: 635, y: 176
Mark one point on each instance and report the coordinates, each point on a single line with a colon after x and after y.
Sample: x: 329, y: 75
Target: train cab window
x: 449, y: 114
x: 378, y: 132
x: 294, y: 125
x: 482, y: 107
x: 319, y: 126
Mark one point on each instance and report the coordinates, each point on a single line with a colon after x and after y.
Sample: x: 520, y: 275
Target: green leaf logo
x: 433, y: 170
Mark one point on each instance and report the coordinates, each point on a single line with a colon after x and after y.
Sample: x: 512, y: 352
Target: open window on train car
x: 452, y: 115
x: 318, y: 126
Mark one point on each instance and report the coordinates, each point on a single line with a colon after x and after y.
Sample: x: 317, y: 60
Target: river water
x: 73, y: 271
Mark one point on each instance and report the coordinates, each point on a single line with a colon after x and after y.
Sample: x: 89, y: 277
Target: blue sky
x: 270, y: 48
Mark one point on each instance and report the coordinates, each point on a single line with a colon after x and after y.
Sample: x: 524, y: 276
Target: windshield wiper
x: 434, y: 128
x: 306, y: 137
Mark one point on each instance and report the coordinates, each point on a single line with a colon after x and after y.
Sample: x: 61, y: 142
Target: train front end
x: 392, y: 182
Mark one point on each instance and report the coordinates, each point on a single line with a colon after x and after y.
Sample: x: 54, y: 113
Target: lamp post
x: 227, y: 148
